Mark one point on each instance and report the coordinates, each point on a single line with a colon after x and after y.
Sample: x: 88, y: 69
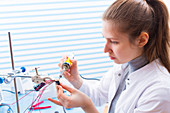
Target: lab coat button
x: 119, y: 74
x: 128, y: 79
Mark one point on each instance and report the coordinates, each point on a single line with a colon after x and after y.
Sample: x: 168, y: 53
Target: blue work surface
x: 24, y: 103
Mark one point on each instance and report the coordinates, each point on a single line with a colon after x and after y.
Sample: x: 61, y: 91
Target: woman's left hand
x: 76, y: 99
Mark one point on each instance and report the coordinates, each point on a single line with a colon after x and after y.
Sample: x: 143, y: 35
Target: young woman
x: 138, y: 41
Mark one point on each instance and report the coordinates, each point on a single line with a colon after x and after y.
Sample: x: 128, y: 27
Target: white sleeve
x: 98, y: 92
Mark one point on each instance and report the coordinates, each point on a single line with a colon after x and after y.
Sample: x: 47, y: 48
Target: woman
x: 138, y: 41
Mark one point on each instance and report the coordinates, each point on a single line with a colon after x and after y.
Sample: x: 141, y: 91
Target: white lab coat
x: 147, y: 89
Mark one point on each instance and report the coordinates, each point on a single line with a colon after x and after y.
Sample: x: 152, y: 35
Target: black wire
x: 64, y: 109
x: 89, y: 78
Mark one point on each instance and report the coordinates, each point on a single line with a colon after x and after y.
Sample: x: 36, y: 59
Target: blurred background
x: 42, y: 31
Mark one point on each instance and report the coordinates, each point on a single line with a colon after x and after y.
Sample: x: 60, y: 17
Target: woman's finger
x: 62, y: 61
x: 55, y: 101
x: 63, y: 98
x: 60, y: 93
x: 71, y: 90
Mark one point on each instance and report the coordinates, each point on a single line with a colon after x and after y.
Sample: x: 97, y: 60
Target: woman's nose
x: 106, y: 48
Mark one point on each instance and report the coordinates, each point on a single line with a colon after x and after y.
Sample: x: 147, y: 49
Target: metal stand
x: 13, y: 68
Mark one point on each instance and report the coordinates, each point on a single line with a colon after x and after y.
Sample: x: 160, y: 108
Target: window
x: 42, y: 31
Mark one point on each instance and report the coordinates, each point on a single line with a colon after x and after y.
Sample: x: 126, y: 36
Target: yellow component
x: 68, y: 60
x: 66, y: 64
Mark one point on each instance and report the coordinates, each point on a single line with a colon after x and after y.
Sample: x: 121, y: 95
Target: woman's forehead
x: 111, y: 30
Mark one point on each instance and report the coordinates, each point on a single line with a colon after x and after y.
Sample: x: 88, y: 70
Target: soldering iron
x: 66, y: 65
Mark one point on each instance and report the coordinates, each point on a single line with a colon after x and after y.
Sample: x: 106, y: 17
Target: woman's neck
x: 137, y: 63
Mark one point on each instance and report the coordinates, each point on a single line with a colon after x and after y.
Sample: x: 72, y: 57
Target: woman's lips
x: 112, y: 58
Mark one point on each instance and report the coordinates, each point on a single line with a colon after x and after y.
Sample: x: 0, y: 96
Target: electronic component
x: 39, y: 86
x: 44, y: 107
x: 57, y: 82
x: 66, y: 65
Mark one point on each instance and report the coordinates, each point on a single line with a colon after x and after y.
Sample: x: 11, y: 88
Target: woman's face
x: 118, y: 46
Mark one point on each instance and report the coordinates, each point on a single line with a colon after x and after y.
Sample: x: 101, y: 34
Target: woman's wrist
x: 77, y: 82
x: 89, y: 107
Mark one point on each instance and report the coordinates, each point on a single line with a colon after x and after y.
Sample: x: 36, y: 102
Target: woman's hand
x: 77, y: 99
x: 72, y: 74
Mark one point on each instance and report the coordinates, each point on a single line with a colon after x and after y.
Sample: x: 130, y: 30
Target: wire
x: 39, y: 96
x: 32, y: 103
x: 21, y: 97
x: 73, y: 55
x: 64, y: 109
x: 9, y: 108
x: 9, y: 91
x: 89, y: 78
x: 14, y: 92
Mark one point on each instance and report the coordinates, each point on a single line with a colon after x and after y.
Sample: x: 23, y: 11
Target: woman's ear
x: 142, y: 40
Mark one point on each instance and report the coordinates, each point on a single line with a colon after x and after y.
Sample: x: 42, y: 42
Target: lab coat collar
x: 142, y: 73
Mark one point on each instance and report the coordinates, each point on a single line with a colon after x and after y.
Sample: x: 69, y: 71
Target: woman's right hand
x: 72, y: 74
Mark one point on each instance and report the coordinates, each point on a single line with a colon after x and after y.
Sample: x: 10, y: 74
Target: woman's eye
x: 114, y: 42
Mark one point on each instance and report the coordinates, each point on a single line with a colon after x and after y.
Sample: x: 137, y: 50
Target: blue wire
x: 9, y: 108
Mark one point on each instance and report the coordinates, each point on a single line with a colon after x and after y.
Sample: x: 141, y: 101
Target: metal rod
x: 36, y: 70
x: 13, y: 68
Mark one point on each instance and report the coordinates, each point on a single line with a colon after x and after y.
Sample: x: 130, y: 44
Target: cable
x: 64, y: 109
x: 9, y: 108
x: 31, y: 103
x: 14, y: 92
x: 9, y: 91
x: 89, y: 78
x: 38, y: 97
x: 21, y: 97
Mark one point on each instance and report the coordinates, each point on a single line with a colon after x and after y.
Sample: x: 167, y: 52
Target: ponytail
x: 159, y: 44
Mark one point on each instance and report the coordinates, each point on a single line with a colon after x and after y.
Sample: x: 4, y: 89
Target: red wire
x: 41, y: 95
x: 35, y: 100
x: 32, y: 102
x: 21, y: 97
x: 31, y: 110
x: 42, y: 91
x: 42, y: 107
x: 47, y: 82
